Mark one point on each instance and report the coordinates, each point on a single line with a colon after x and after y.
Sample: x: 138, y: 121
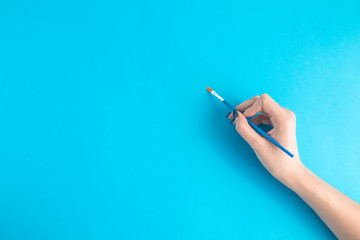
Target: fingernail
x: 235, y: 114
x: 228, y: 115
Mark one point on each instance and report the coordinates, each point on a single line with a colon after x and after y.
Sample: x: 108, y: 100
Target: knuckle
x: 256, y: 97
x: 264, y: 96
x: 290, y: 115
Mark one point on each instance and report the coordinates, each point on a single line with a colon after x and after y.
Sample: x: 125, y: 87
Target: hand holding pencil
x: 271, y: 146
x: 283, y: 122
x: 277, y: 151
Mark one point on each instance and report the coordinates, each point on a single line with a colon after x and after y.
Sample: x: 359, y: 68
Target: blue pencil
x: 256, y: 128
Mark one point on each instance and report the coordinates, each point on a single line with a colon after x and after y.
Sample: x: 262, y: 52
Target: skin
x: 340, y: 213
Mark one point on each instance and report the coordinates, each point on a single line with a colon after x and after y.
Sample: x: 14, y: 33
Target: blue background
x: 107, y: 131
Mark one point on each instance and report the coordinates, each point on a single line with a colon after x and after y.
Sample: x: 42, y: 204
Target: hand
x: 283, y: 121
x: 340, y: 213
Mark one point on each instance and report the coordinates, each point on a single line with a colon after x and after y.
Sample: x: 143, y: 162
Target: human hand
x: 339, y: 212
x: 283, y: 121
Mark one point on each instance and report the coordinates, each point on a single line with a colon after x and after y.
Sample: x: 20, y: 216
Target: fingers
x: 244, y: 105
x: 248, y: 103
x: 264, y: 104
x: 247, y: 132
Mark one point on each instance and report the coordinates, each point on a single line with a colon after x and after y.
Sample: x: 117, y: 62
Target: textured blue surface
x: 107, y: 131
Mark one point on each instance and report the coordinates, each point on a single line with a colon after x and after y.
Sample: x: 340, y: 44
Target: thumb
x: 247, y: 132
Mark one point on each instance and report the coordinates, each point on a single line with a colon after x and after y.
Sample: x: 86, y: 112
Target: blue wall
x: 107, y: 131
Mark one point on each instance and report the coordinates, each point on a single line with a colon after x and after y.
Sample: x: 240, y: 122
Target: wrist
x: 295, y: 176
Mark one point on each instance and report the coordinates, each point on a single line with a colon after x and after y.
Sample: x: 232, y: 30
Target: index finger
x: 264, y: 104
x: 244, y: 105
x: 248, y: 103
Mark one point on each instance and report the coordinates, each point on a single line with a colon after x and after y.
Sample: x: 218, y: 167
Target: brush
x: 256, y: 128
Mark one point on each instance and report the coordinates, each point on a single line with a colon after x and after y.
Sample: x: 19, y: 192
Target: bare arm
x: 340, y: 213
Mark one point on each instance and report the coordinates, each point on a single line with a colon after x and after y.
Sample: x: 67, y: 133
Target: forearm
x: 340, y: 213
